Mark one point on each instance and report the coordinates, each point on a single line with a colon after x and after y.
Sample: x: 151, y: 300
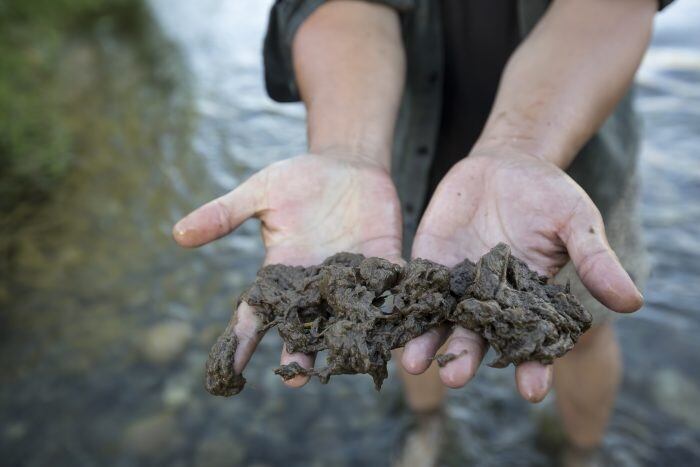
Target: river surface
x: 105, y: 324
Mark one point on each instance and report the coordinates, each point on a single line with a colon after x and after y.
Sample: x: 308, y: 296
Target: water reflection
x: 105, y: 324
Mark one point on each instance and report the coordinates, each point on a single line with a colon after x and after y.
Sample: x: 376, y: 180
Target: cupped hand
x: 310, y: 207
x: 500, y: 195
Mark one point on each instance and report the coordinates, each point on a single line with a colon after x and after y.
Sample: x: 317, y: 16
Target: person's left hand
x: 501, y: 195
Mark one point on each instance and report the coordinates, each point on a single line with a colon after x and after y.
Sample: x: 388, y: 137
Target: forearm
x: 349, y: 63
x: 567, y: 77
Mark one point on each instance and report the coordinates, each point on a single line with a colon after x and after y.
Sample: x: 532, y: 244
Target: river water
x: 105, y: 324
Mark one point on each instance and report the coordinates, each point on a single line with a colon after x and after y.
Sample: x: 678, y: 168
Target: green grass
x: 36, y: 144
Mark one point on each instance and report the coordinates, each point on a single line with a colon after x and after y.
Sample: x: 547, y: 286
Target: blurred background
x: 119, y: 116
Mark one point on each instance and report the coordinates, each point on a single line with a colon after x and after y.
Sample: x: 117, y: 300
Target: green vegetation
x: 36, y: 144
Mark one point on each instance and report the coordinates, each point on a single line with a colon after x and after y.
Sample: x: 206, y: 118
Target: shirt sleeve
x: 664, y: 3
x: 285, y: 18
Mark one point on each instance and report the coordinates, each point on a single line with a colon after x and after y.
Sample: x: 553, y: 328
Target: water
x: 97, y: 277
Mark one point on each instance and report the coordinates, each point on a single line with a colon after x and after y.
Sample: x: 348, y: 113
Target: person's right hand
x: 310, y: 207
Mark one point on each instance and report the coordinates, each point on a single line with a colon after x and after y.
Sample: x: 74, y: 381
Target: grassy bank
x: 37, y: 144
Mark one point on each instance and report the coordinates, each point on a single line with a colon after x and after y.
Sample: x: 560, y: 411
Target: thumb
x: 220, y: 216
x: 596, y: 263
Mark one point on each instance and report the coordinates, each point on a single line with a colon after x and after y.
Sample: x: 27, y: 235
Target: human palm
x: 544, y: 216
x: 310, y: 207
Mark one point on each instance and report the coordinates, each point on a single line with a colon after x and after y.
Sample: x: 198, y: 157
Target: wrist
x: 359, y: 152
x: 523, y: 144
x: 524, y: 133
x: 513, y: 148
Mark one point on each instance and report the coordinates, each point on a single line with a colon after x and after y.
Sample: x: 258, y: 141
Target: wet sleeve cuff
x: 285, y: 18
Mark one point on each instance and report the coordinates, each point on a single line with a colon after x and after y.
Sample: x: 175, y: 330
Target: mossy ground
x: 63, y: 65
x: 37, y: 144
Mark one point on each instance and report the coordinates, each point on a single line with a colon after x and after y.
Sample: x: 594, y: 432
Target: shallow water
x: 97, y: 280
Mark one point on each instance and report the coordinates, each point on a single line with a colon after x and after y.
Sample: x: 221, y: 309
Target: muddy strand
x: 358, y: 309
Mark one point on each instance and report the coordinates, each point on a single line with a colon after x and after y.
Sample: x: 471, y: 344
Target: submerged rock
x: 164, y: 342
x: 220, y: 451
x: 152, y: 435
x: 358, y: 309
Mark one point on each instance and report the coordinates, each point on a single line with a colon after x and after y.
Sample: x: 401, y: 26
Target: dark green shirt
x: 604, y: 167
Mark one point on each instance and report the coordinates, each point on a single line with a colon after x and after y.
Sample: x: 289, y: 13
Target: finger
x: 246, y: 327
x: 418, y: 352
x: 596, y: 263
x: 220, y: 216
x: 470, y: 349
x: 305, y: 360
x: 534, y: 380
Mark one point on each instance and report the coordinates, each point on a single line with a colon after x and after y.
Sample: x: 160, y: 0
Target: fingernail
x: 534, y: 396
x: 530, y: 395
x: 296, y: 382
x: 180, y: 228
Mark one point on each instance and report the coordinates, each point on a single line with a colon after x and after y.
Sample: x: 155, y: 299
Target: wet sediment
x: 358, y: 309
